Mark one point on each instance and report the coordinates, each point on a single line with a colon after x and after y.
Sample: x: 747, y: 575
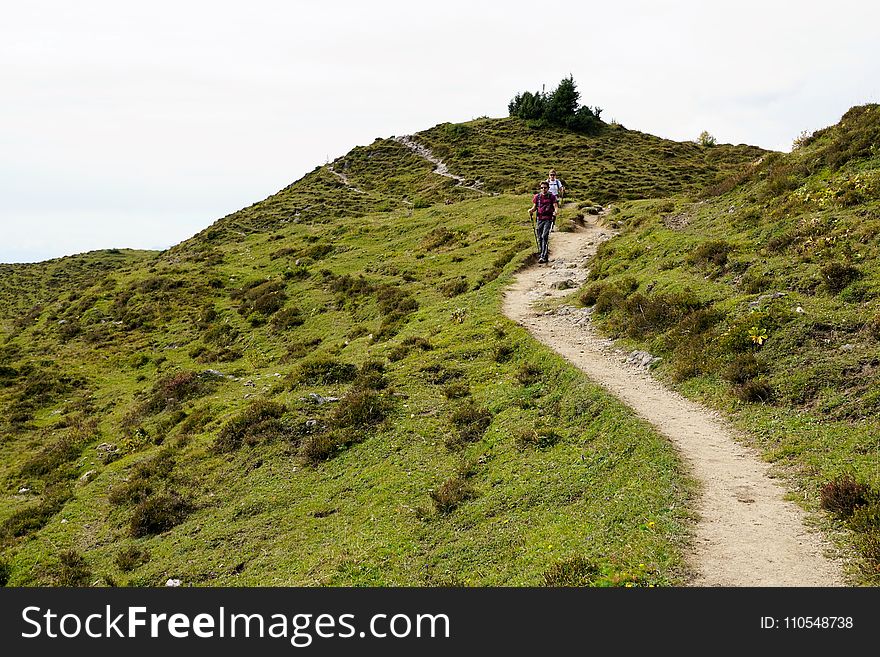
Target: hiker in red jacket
x: 546, y: 206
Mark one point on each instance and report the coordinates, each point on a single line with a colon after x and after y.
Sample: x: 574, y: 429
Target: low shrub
x: 130, y: 558
x: 454, y: 287
x: 843, y: 495
x: 260, y: 422
x: 440, y: 236
x: 868, y: 544
x: 529, y: 373
x: 502, y: 352
x: 457, y: 390
x: 158, y: 514
x: 647, y: 315
x: 451, y: 493
x: 361, y: 408
x: 397, y: 353
x: 575, y: 571
x: 590, y: 295
x: 470, y: 422
x: 438, y: 374
x: 865, y: 516
x: 319, y: 447
x: 221, y: 335
x: 371, y: 376
x: 324, y: 370
x: 287, y: 319
x: 755, y: 390
x: 537, y: 437
x: 262, y: 297
x: 837, y: 276
x: 417, y: 342
x: 62, y: 450
x: 743, y: 368
x: 712, y: 253
x: 72, y: 570
x: 133, y: 491
x: 174, y: 389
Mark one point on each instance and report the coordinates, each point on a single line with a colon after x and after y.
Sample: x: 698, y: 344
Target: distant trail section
x: 440, y: 167
x: 344, y: 179
x: 746, y: 534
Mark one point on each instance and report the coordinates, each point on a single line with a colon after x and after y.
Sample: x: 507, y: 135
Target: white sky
x: 135, y: 125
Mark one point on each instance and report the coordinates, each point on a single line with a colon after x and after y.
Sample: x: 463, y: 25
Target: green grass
x: 256, y: 512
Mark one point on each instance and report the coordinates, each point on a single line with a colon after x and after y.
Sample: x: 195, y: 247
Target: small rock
x: 765, y: 297
x: 64, y: 521
x: 567, y: 284
x: 642, y: 359
x: 172, y: 582
x: 88, y: 476
x: 318, y: 399
x: 799, y: 309
x: 847, y: 347
x: 107, y: 447
x: 23, y: 490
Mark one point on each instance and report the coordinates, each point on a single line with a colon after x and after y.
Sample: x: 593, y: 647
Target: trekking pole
x: 535, y: 231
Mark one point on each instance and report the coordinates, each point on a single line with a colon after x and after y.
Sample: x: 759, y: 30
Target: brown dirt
x: 746, y: 534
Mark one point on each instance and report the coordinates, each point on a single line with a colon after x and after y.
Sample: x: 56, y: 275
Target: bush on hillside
x: 72, y: 570
x: 131, y: 557
x: 159, y: 513
x: 576, y: 571
x: 262, y: 296
x: 755, y: 390
x: 451, y: 493
x: 259, y: 422
x: 843, y: 494
x: 837, y: 276
x: 743, y: 368
x: 323, y: 370
x: 470, y: 422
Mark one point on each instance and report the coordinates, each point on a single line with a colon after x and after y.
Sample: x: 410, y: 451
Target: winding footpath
x: 440, y: 167
x: 746, y: 533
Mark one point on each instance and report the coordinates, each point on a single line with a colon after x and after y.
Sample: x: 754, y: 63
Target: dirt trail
x: 746, y: 533
x: 440, y: 167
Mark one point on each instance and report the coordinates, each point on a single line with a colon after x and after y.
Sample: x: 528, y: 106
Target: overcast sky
x: 135, y: 125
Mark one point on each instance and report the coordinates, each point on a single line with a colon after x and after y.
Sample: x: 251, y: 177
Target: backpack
x: 560, y: 183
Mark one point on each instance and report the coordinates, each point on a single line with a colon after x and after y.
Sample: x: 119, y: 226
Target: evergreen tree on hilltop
x: 560, y: 107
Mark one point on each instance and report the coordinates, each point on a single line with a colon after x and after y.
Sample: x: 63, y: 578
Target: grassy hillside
x: 320, y: 389
x: 763, y: 298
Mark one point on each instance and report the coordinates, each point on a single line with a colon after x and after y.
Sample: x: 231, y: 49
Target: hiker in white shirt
x: 556, y: 187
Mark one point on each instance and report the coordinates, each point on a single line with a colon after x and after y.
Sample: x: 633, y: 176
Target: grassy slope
x: 786, y: 250
x: 133, y: 359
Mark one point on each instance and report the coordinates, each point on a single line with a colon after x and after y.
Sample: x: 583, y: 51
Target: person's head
x: 545, y: 187
x: 552, y: 173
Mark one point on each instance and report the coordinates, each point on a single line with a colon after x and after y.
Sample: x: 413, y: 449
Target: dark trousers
x: 544, y: 226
